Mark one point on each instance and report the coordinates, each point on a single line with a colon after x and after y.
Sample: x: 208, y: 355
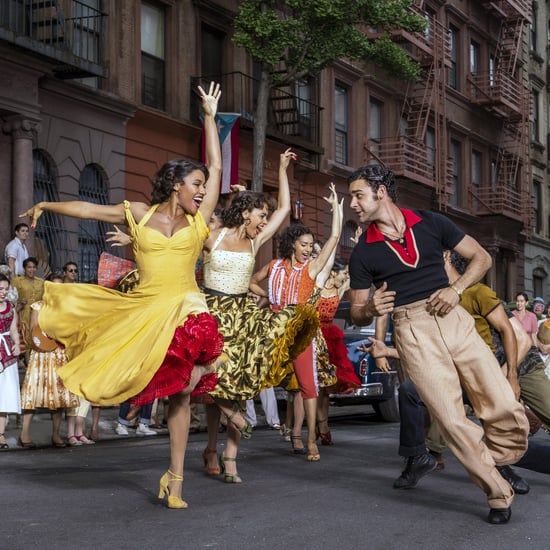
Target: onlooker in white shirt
x: 16, y: 251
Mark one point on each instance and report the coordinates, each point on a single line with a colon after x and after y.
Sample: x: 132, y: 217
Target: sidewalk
x: 41, y: 427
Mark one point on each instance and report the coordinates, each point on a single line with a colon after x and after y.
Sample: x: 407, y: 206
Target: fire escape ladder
x: 527, y: 202
x: 420, y: 103
x: 442, y: 170
x: 509, y: 45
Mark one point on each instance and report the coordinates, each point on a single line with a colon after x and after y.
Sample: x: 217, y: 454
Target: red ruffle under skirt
x: 196, y: 342
x: 338, y: 355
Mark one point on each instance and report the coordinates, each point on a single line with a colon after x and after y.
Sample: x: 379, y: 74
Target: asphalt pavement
x: 104, y: 496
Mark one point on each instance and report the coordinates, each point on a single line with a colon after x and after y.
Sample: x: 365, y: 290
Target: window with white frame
x: 341, y: 123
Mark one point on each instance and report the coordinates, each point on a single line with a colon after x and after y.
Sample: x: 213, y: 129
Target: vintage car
x: 378, y: 388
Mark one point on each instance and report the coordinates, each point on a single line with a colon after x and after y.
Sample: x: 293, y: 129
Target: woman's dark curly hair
x: 171, y: 173
x: 245, y: 200
x: 338, y: 265
x: 289, y: 236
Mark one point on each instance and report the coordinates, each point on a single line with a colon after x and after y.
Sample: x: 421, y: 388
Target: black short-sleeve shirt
x: 413, y: 269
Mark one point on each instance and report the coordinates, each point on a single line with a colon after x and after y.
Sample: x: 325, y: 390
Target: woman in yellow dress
x: 158, y: 339
x: 29, y: 288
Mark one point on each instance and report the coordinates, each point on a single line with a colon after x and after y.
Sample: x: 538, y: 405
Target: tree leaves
x: 296, y: 37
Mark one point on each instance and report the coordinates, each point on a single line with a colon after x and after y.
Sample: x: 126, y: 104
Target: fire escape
x: 68, y: 35
x: 504, y: 93
x: 410, y: 154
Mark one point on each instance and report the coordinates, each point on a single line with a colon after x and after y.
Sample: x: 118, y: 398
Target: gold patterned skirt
x: 42, y: 387
x: 259, y: 343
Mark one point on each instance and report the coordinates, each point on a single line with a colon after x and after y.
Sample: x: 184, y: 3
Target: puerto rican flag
x: 228, y: 131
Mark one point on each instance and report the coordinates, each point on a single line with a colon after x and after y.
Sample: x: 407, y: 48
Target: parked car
x: 378, y: 388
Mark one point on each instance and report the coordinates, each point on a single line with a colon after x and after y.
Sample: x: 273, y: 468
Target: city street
x: 103, y: 496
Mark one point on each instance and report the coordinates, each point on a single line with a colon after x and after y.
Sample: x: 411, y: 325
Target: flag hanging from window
x: 228, y: 131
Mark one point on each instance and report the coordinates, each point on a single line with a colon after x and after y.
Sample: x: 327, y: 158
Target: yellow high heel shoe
x: 173, y: 501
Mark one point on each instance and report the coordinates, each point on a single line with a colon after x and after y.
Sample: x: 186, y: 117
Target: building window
x: 430, y: 151
x: 341, y: 123
x: 88, y: 35
x: 50, y: 236
x: 430, y: 17
x: 92, y: 187
x: 456, y: 164
x: 212, y: 48
x: 153, y: 64
x: 492, y: 70
x: 533, y: 28
x: 304, y: 89
x: 453, y: 72
x: 539, y: 281
x: 535, y: 129
x: 477, y: 159
x: 537, y: 205
x: 494, y: 174
x: 474, y: 57
x: 375, y: 126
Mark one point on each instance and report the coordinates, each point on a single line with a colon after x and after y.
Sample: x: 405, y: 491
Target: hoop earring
x: 247, y: 222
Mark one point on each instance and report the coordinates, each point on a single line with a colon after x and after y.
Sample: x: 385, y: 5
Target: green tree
x: 291, y: 39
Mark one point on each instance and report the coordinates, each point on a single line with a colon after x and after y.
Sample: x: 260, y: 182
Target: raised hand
x: 210, y: 99
x: 333, y: 198
x: 286, y: 157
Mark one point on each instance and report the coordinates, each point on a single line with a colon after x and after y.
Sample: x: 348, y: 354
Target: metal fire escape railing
x: 68, y: 34
x: 291, y: 118
x: 407, y: 154
x: 506, y: 94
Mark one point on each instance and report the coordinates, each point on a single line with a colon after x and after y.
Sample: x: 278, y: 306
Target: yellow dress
x: 30, y: 291
x: 116, y: 342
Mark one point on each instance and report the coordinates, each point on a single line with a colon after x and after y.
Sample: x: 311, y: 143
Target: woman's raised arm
x: 283, y: 201
x: 213, y: 149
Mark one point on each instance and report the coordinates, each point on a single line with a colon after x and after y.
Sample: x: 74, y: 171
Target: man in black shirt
x: 397, y: 268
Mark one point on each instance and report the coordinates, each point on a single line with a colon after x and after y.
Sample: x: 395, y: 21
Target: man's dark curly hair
x: 171, y: 173
x: 376, y: 175
x: 460, y: 263
x: 245, y: 200
x: 289, y: 236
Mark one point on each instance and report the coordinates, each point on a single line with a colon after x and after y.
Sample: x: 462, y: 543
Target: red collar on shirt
x: 407, y: 252
x: 374, y: 235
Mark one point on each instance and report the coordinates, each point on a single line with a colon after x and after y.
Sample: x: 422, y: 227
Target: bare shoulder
x: 139, y: 209
x: 211, y: 239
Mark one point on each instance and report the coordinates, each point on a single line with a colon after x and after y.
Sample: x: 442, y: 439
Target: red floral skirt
x: 196, y: 342
x: 338, y: 356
